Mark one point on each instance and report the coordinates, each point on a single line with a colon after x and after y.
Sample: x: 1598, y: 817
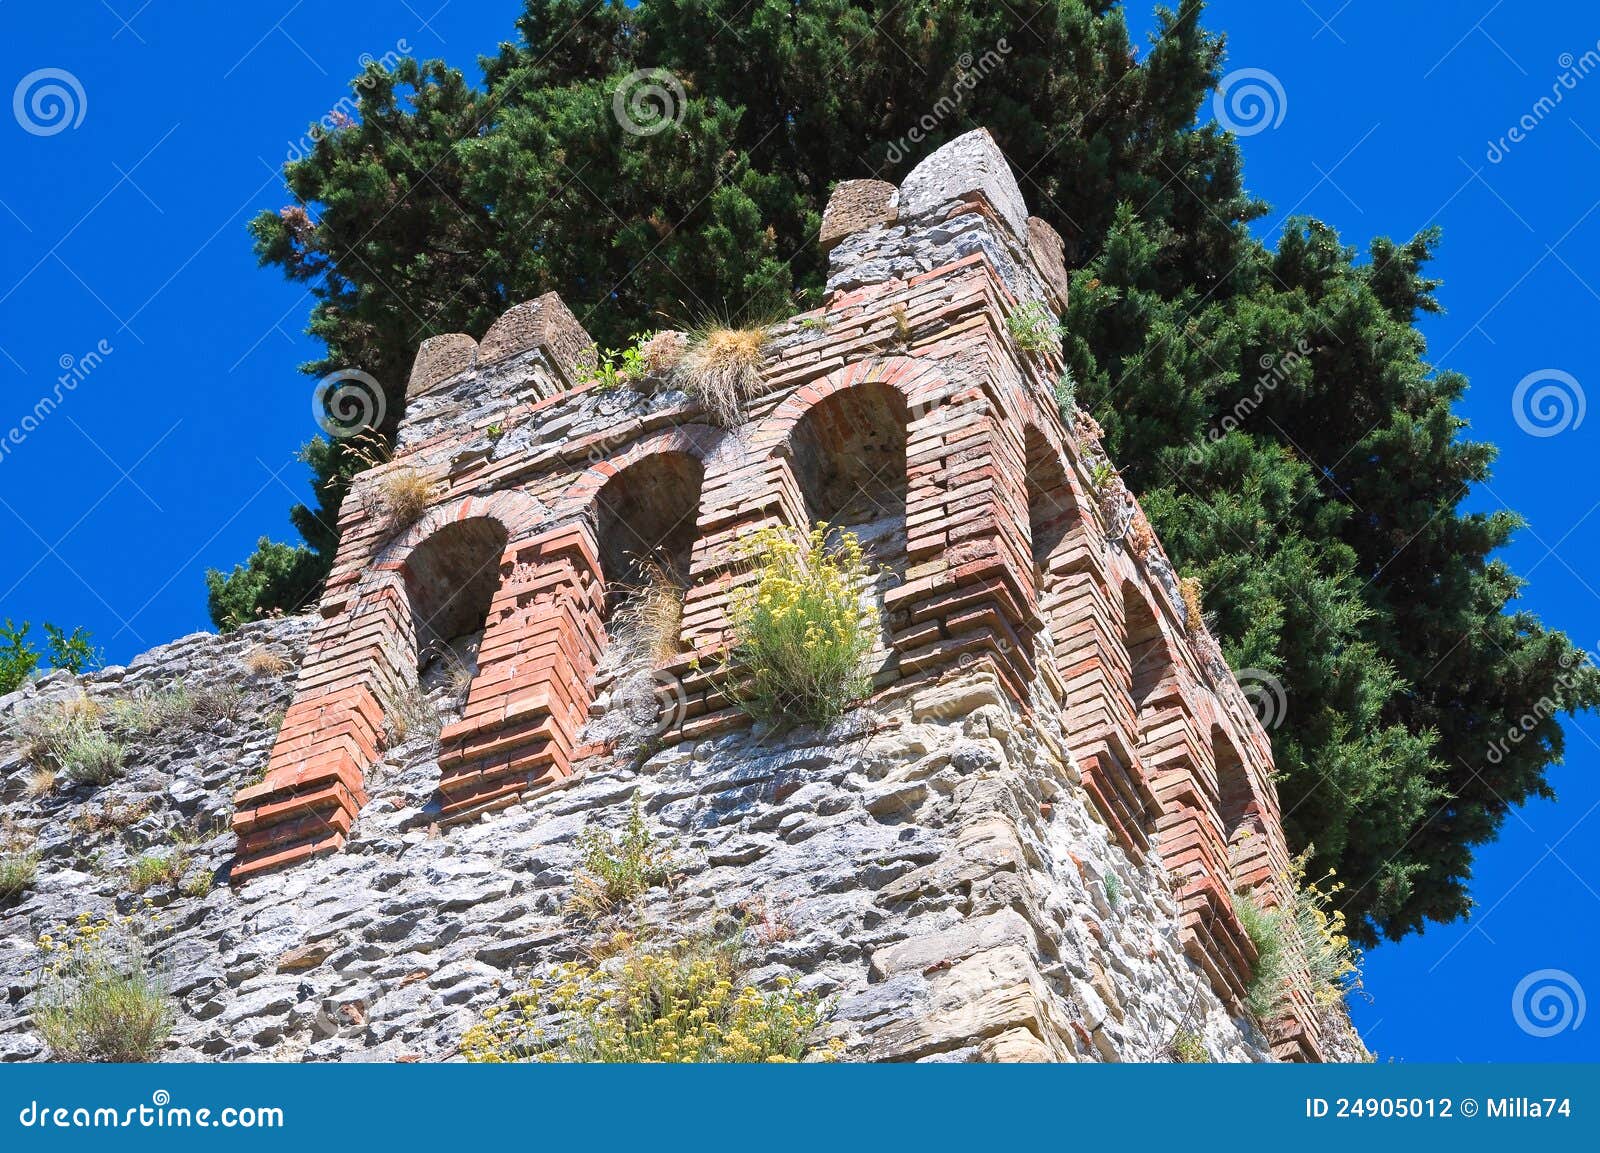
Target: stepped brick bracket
x: 902, y: 409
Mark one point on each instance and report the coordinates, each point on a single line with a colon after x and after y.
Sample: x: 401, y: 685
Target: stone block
x: 969, y: 165
x: 438, y: 359
x: 1048, y: 253
x: 857, y: 205
x: 546, y: 324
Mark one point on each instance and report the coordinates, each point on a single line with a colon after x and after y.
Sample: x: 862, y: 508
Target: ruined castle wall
x: 1048, y: 719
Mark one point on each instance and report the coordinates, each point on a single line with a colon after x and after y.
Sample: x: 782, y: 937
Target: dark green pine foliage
x: 1270, y: 405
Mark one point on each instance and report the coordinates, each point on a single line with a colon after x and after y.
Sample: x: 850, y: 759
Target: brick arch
x: 921, y: 390
x: 1238, y: 809
x: 701, y: 441
x: 333, y: 730
x: 1151, y: 660
x: 919, y: 382
x: 516, y: 511
x: 644, y: 519
x: 394, y: 582
x: 1055, y: 507
x: 715, y: 449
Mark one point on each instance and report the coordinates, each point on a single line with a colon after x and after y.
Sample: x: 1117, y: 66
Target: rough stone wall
x: 937, y: 870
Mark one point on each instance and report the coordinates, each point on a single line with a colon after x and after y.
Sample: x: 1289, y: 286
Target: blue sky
x: 122, y: 248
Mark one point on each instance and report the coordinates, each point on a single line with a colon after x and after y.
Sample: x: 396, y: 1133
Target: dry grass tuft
x: 1141, y: 537
x: 648, y: 623
x: 722, y: 367
x: 265, y: 663
x: 1193, y: 610
x: 111, y: 815
x: 662, y: 352
x: 407, y: 712
x: 902, y: 324
x: 18, y: 871
x: 405, y: 495
x: 41, y: 782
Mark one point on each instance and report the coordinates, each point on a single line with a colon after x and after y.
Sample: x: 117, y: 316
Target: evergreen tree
x: 1271, y: 406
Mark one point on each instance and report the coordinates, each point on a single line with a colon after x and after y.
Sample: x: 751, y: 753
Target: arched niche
x: 1149, y: 658
x: 848, y: 454
x: 1236, y: 798
x: 450, y: 581
x: 1052, y: 510
x: 645, y: 518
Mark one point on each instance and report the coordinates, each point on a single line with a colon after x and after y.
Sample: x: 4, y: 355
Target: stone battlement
x: 903, y: 408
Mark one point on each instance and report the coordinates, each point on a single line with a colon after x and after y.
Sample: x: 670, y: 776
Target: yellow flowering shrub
x: 99, y: 1003
x: 682, y: 1003
x: 800, y: 632
x: 1332, y: 962
x: 1310, y: 932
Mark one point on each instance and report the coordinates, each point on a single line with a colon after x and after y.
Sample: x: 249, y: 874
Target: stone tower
x: 904, y: 407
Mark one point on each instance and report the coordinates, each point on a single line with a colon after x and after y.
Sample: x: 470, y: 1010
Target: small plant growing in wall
x: 616, y: 868
x: 91, y: 757
x: 197, y: 884
x: 1067, y: 395
x: 1113, y: 887
x: 1034, y: 327
x: 616, y: 367
x: 669, y: 1002
x: 1269, y: 981
x: 154, y: 869
x: 98, y: 1001
x: 800, y: 633
x: 1188, y: 1049
x: 17, y: 872
x: 66, y: 737
x: 1309, y: 931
